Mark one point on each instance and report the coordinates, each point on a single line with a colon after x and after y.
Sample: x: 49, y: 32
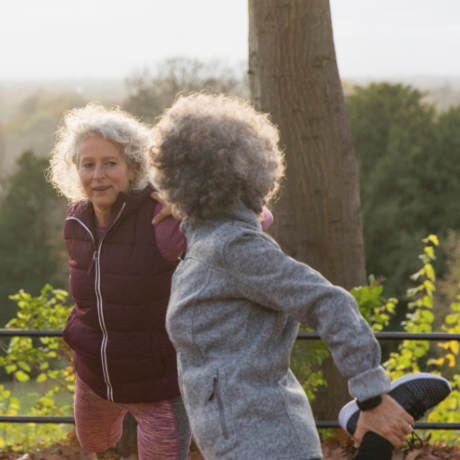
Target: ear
x: 132, y: 172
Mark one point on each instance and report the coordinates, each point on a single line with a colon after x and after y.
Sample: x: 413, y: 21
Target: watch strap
x: 369, y: 404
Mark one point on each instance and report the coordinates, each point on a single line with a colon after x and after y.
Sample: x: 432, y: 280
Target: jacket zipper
x: 100, y: 312
x: 220, y: 404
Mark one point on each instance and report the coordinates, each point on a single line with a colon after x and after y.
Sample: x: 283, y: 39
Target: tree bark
x: 293, y: 76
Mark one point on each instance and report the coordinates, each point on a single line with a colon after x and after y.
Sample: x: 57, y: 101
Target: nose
x: 99, y: 172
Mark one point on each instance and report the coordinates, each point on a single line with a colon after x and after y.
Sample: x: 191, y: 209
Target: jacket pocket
x: 217, y: 393
x: 211, y: 412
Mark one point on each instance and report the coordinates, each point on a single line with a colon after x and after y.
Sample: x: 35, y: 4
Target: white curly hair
x: 94, y: 120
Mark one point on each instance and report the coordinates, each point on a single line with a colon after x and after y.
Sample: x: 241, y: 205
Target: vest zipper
x: 92, y: 263
x: 100, y: 311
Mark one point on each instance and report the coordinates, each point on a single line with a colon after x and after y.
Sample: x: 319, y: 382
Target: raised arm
x: 264, y: 274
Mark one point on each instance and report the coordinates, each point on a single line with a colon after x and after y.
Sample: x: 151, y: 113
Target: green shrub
x: 49, y: 358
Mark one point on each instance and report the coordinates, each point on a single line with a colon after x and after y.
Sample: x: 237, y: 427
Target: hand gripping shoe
x: 416, y: 393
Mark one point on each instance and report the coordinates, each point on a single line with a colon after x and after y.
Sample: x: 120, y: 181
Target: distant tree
x: 409, y: 162
x: 31, y: 246
x: 35, y: 123
x: 152, y: 90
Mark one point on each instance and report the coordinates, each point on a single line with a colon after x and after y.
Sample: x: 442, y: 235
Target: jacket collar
x: 239, y: 213
x: 125, y: 204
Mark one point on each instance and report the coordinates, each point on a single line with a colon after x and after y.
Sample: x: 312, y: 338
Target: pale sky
x: 55, y: 39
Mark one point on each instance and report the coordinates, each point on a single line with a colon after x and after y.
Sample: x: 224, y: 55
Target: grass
x: 28, y: 392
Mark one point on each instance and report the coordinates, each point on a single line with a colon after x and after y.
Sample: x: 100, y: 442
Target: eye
x: 87, y: 165
x: 112, y: 163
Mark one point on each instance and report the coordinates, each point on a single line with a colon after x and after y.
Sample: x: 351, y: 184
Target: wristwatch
x: 369, y: 404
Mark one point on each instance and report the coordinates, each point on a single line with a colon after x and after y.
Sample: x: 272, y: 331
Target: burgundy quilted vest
x: 121, y: 286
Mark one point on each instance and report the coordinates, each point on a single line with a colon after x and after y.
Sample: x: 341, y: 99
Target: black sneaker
x: 416, y: 393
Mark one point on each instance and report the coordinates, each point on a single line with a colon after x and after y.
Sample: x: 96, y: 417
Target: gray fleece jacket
x: 233, y: 317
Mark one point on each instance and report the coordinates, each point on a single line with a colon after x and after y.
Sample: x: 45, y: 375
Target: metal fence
x: 381, y: 336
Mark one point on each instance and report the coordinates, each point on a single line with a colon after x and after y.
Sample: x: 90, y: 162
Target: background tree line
x: 408, y: 154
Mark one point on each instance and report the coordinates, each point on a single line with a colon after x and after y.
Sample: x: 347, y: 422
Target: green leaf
x: 450, y: 319
x: 41, y: 378
x: 47, y: 401
x: 24, y: 366
x: 21, y: 376
x: 11, y: 368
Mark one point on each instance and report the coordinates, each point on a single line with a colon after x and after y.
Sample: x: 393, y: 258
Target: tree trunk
x: 293, y: 75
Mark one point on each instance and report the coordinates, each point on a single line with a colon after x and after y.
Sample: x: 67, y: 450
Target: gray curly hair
x: 94, y: 120
x: 210, y: 152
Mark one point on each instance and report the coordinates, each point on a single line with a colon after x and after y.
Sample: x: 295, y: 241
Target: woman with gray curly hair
x: 237, y: 299
x: 120, y: 277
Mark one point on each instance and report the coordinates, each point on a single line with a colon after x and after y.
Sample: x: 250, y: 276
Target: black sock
x: 374, y: 447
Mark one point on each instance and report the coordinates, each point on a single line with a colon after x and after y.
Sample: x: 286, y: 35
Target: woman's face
x: 103, y: 171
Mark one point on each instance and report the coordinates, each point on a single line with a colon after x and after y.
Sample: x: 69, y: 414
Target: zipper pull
x: 92, y: 263
x: 214, y: 383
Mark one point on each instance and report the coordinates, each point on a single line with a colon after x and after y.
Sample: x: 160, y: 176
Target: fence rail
x: 381, y: 336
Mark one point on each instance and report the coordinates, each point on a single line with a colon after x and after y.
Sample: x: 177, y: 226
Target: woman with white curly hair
x: 237, y: 299
x: 120, y: 276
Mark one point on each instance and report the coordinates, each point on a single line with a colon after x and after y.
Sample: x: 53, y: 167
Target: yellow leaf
x: 434, y: 239
x: 430, y: 272
x: 429, y: 287
x: 454, y: 346
x: 451, y: 359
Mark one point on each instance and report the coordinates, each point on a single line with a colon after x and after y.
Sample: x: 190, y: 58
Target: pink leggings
x: 163, y: 431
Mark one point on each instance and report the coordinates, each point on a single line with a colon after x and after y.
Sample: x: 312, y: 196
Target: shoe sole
x: 351, y: 410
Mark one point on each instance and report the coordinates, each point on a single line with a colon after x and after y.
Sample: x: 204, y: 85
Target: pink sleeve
x: 267, y: 218
x: 170, y: 240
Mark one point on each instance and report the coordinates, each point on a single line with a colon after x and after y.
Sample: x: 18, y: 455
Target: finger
x: 402, y: 436
x: 160, y: 216
x: 358, y: 437
x: 395, y: 440
x: 407, y: 428
x: 156, y: 196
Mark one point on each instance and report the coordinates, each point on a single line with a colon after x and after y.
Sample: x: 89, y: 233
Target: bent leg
x: 163, y: 430
x: 99, y: 423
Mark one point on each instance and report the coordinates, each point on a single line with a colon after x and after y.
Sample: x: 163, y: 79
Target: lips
x: 100, y: 189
